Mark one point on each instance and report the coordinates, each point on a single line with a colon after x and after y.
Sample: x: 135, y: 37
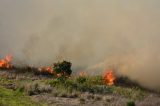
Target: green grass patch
x: 14, y: 98
x: 5, y: 81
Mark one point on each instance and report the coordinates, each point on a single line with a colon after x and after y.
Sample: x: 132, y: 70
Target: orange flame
x: 6, y: 62
x: 82, y: 74
x: 109, y: 77
x: 46, y: 69
x: 51, y: 71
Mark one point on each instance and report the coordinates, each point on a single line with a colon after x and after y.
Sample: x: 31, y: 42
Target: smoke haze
x: 92, y: 34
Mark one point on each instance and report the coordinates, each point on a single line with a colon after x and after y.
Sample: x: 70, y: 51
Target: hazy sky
x: 136, y: 19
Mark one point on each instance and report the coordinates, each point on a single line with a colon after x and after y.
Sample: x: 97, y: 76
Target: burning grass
x: 109, y: 77
x: 6, y: 62
x: 59, y: 69
x: 108, y: 83
x: 59, y: 82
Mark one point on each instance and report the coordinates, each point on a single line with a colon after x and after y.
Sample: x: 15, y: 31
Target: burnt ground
x: 49, y: 96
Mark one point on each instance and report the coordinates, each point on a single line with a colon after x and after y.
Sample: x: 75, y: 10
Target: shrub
x: 63, y: 68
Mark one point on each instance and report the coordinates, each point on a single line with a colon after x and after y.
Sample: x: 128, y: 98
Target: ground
x: 27, y: 88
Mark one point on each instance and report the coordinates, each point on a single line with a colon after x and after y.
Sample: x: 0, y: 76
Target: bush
x: 63, y: 68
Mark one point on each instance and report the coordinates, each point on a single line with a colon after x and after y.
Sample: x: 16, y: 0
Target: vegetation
x: 84, y: 88
x: 131, y: 103
x: 95, y: 85
x: 14, y: 98
x: 63, y: 67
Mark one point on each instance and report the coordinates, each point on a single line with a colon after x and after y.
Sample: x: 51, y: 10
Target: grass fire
x: 79, y: 53
x: 109, y: 77
x: 6, y: 62
x: 58, y: 81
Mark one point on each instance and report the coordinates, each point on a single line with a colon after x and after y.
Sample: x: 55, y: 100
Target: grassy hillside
x: 29, y: 89
x: 15, y: 98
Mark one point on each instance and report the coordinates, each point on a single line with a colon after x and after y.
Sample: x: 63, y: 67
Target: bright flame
x: 46, y: 69
x: 109, y: 77
x: 51, y: 71
x: 6, y: 62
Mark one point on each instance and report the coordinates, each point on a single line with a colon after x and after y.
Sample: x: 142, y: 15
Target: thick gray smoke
x: 92, y: 34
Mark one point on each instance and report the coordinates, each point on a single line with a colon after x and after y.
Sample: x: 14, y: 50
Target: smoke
x: 92, y: 34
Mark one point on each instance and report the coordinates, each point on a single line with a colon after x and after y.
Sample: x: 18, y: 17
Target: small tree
x: 63, y: 68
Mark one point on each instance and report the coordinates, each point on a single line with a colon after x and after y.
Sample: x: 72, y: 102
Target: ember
x: 109, y: 77
x: 6, y: 62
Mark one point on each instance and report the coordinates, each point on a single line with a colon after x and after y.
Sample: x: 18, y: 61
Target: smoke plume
x: 92, y: 34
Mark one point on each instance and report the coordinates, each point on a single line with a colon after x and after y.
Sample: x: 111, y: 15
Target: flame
x: 51, y: 71
x: 46, y: 69
x: 6, y: 62
x: 82, y: 74
x: 109, y: 77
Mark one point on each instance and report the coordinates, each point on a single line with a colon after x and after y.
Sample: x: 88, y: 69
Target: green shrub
x: 63, y: 67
